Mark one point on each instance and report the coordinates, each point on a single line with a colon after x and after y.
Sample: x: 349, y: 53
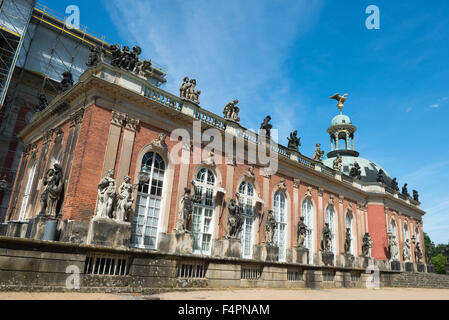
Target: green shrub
x: 439, y: 262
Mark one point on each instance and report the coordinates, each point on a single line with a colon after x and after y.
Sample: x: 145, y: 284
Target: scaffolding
x: 15, y: 16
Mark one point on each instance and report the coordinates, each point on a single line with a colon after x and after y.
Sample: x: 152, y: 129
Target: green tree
x: 439, y: 262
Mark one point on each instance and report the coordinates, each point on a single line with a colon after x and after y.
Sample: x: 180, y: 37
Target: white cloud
x: 435, y: 106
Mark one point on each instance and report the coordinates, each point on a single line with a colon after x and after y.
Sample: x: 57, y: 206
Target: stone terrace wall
x: 31, y: 265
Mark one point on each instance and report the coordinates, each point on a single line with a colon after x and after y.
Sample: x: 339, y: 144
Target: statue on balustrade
x: 187, y: 91
x: 231, y: 111
x: 356, y: 171
x: 380, y: 176
x: 366, y: 245
x: 235, y: 219
x: 302, y: 232
x: 96, y: 56
x: 294, y: 142
x: 393, y: 248
x: 415, y: 196
x: 327, y: 238
x: 265, y: 128
x: 318, y: 155
x: 270, y: 227
x: 338, y: 163
x: 133, y: 59
x: 407, y: 251
x: 116, y: 55
x: 418, y: 253
x: 405, y: 191
x: 144, y: 68
x: 348, y: 240
x: 106, y: 196
x: 66, y: 82
x: 124, y: 200
x: 53, y: 185
x: 43, y: 103
x: 395, y: 185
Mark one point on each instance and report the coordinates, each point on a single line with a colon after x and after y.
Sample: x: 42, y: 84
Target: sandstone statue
x: 66, y: 82
x: 43, y: 103
x: 318, y: 155
x: 407, y: 252
x: 294, y: 142
x: 418, y: 253
x: 380, y: 176
x: 338, y: 163
x: 53, y: 185
x: 393, y: 248
x: 106, y: 196
x: 185, y: 211
x: 124, y: 200
x: 405, y: 191
x: 96, y: 56
x: 231, y: 111
x: 348, y: 240
x: 415, y: 196
x: 327, y: 238
x: 367, y: 245
x: 265, y: 127
x: 302, y: 232
x: 235, y: 219
x: 395, y: 185
x: 270, y: 227
x: 356, y: 171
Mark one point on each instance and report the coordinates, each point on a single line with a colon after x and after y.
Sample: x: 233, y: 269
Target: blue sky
x: 285, y: 58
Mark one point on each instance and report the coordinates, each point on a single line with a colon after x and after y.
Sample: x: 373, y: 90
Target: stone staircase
x: 421, y: 280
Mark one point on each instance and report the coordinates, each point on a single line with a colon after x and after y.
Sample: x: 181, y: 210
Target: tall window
x: 307, y: 213
x: 26, y: 196
x: 203, y: 211
x: 148, y: 203
x: 247, y: 202
x: 406, y: 233
x: 331, y: 221
x: 349, y: 225
x: 280, y: 214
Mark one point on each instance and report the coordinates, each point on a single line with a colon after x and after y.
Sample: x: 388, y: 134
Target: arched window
x: 247, y: 202
x: 330, y: 219
x: 406, y: 233
x: 148, y: 203
x: 280, y: 215
x: 203, y: 212
x: 307, y: 213
x: 349, y: 226
x: 26, y: 196
x: 393, y: 228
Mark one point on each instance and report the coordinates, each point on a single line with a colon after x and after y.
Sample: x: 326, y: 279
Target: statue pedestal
x: 430, y: 268
x: 366, y: 261
x: 109, y: 233
x: 74, y: 231
x: 395, y: 265
x: 271, y: 253
x: 420, y: 267
x: 302, y: 255
x: 409, y: 267
x: 17, y: 229
x: 36, y: 227
x: 181, y: 243
x: 227, y: 248
x: 327, y: 258
x: 349, y: 260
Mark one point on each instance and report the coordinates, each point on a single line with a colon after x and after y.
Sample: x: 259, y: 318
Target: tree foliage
x: 439, y: 262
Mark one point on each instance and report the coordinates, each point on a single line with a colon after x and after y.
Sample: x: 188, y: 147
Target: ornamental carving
x: 308, y: 193
x: 77, y: 117
x: 282, y: 185
x: 250, y: 173
x: 296, y: 183
x: 159, y: 143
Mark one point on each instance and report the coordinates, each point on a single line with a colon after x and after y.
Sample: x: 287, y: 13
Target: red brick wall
x: 377, y: 229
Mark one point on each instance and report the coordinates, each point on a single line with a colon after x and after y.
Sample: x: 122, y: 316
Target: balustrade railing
x: 162, y: 97
x: 210, y: 119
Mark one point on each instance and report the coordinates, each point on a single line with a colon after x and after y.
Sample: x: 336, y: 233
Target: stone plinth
x: 420, y: 267
x: 3, y: 229
x: 366, y: 261
x: 409, y: 267
x: 17, y: 229
x: 109, y: 233
x: 178, y: 242
x: 36, y: 227
x: 74, y: 231
x: 302, y: 255
x: 395, y: 265
x: 227, y: 248
x: 271, y: 253
x: 327, y: 258
x: 349, y: 260
x: 430, y: 268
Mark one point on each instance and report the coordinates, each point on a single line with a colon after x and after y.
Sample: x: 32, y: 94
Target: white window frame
x: 247, y: 201
x: 277, y: 210
x: 27, y: 193
x: 308, y: 214
x: 330, y: 212
x: 141, y: 242
x: 203, y: 207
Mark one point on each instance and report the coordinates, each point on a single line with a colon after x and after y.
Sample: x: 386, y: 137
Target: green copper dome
x: 340, y: 119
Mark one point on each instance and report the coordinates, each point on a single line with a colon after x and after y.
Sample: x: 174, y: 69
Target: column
x: 127, y: 149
